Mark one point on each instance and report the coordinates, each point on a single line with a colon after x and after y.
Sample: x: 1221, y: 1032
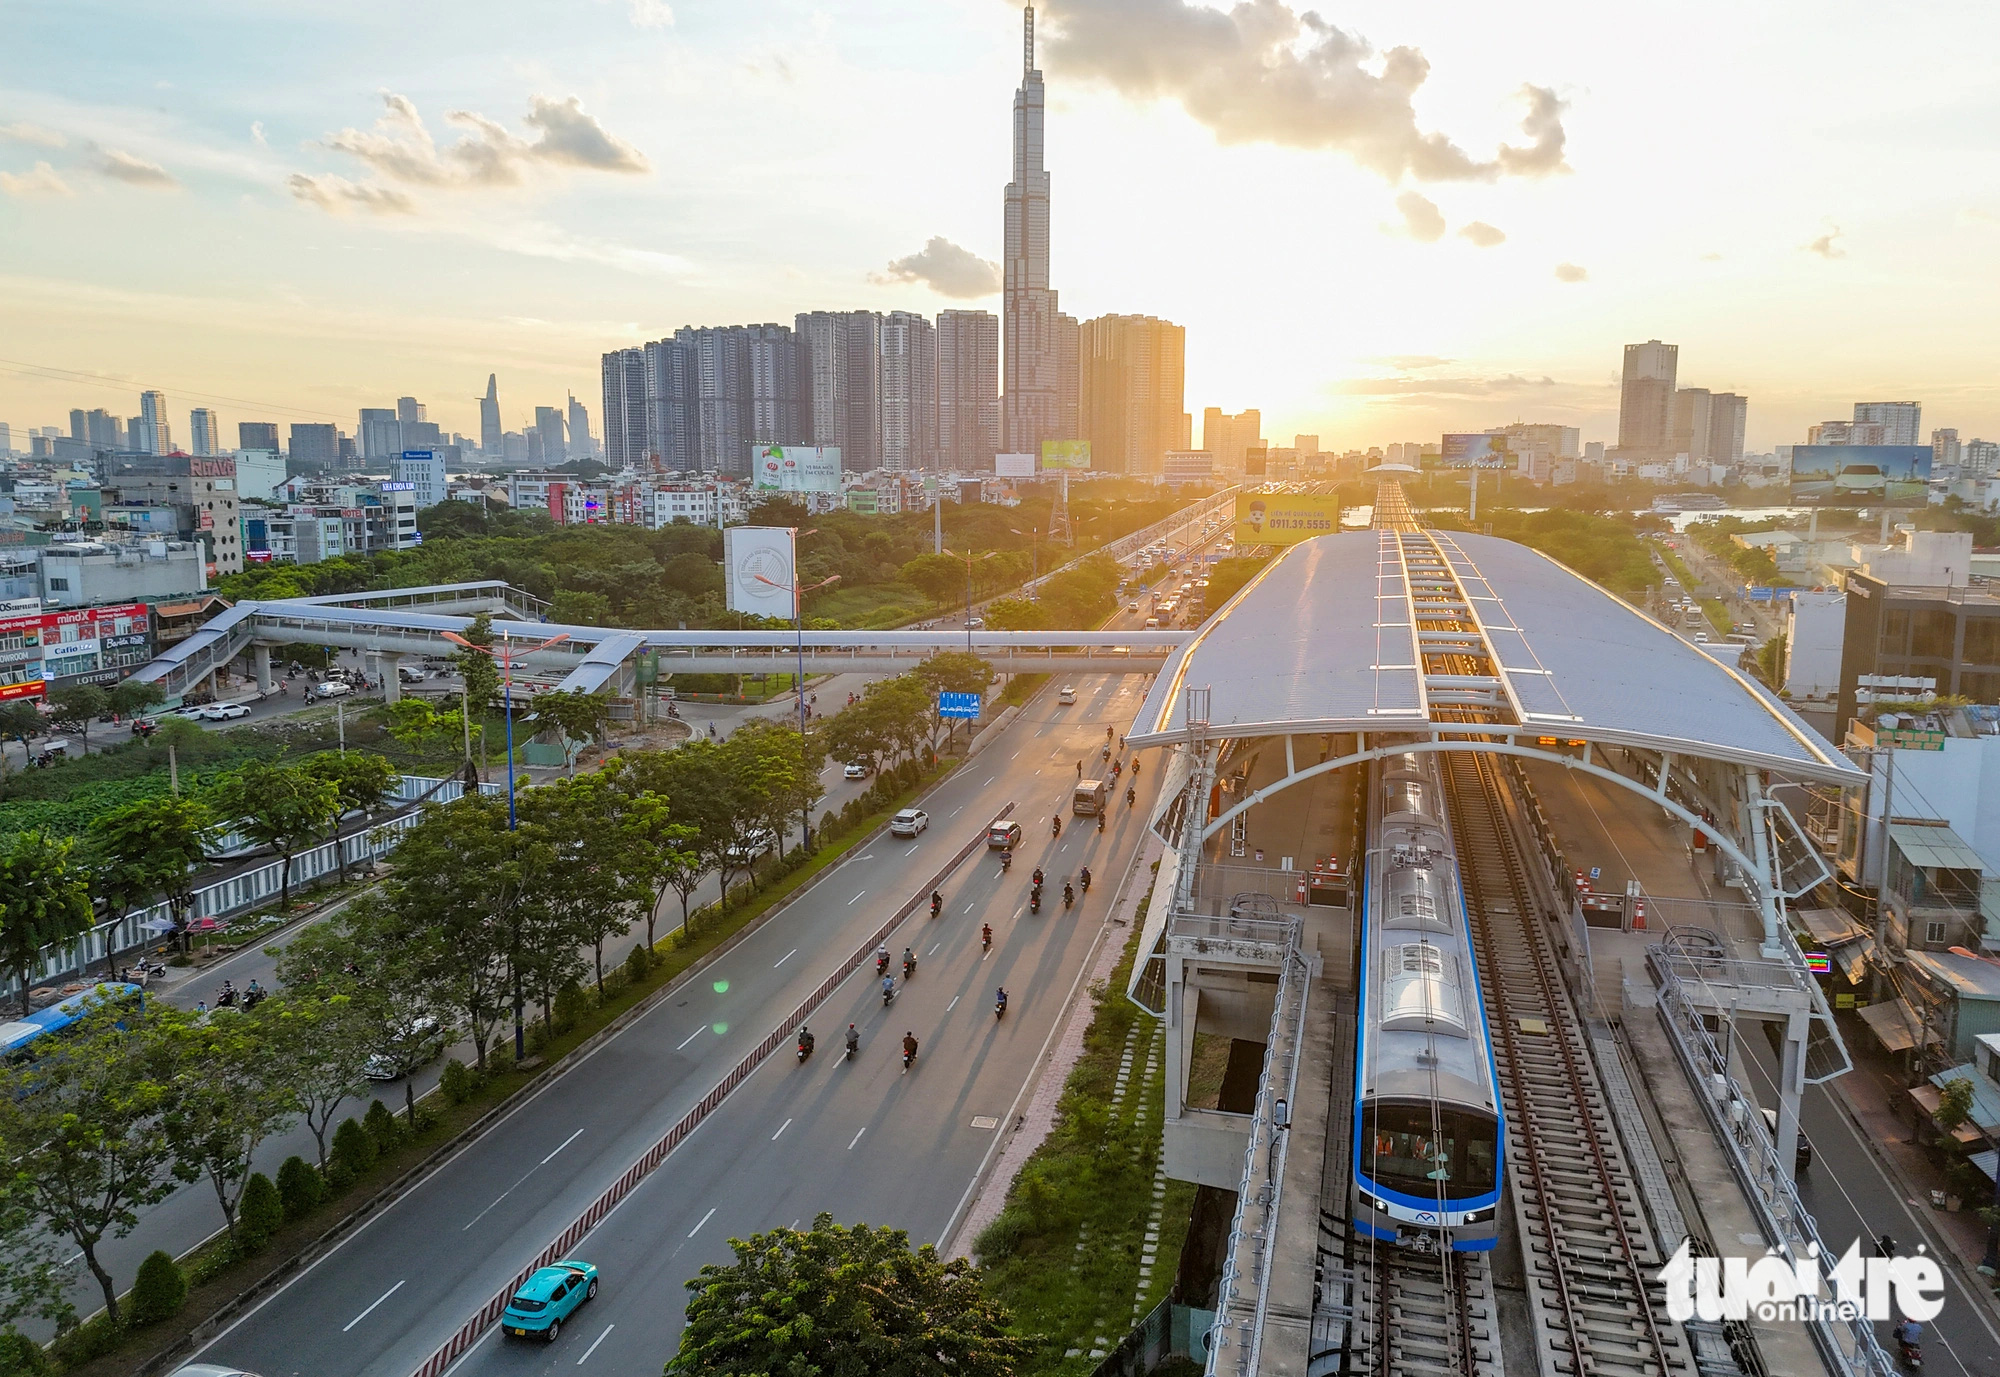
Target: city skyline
x: 180, y: 238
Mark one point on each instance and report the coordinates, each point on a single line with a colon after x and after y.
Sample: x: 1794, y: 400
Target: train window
x: 1419, y: 1149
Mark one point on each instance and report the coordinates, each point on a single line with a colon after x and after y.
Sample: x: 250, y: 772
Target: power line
x: 53, y: 373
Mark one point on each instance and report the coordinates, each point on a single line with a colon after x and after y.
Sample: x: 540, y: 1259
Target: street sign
x: 1597, y: 872
x: 965, y: 705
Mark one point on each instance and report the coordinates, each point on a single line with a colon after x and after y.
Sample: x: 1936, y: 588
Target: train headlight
x: 1481, y: 1216
x: 1370, y: 1202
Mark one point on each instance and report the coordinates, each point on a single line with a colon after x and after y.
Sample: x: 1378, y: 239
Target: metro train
x: 1429, y: 1130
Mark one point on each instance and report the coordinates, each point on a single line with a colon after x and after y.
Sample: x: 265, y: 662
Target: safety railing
x: 1241, y: 1300
x: 244, y: 890
x: 1848, y: 1344
x: 469, y: 1333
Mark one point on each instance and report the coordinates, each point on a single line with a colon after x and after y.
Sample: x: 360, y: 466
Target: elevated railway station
x: 1359, y: 677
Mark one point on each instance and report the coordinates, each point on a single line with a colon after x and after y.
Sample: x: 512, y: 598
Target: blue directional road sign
x: 964, y: 705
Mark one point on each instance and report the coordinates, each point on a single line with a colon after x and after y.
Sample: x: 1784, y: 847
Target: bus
x: 21, y: 1039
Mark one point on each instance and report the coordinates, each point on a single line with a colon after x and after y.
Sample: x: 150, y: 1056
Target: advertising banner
x: 1477, y: 452
x: 1861, y: 475
x: 1014, y: 465
x: 796, y: 468
x: 1277, y: 518
x: 1065, y: 454
x: 760, y: 563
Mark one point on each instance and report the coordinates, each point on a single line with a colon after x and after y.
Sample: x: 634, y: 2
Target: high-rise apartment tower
x: 1646, y: 397
x: 1036, y: 394
x: 968, y: 389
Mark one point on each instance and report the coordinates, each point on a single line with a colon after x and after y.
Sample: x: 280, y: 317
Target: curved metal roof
x: 1327, y: 639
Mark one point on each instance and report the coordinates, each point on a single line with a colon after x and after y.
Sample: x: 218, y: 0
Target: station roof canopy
x: 1327, y: 639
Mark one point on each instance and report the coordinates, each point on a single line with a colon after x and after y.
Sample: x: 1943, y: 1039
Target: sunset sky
x: 292, y: 211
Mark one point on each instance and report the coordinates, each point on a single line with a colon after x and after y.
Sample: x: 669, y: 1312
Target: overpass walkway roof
x: 1329, y: 637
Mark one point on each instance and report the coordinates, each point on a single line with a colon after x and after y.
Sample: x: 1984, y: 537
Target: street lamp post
x: 968, y: 557
x: 798, y: 593
x: 505, y: 657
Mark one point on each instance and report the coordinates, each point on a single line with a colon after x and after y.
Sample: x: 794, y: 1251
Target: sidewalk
x: 1872, y: 1095
x: 1037, y: 1117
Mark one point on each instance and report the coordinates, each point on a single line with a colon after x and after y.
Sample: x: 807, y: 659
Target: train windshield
x: 1417, y: 1150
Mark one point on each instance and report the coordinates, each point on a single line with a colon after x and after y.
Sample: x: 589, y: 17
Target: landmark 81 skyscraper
x: 1035, y: 403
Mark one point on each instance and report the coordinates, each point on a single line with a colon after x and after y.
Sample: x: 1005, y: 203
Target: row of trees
x: 76, y: 708
x: 53, y: 888
x: 1075, y: 599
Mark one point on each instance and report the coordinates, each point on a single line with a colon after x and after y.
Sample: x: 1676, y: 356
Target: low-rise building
x: 88, y: 573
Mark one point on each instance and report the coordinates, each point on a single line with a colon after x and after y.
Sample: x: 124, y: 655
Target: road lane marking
x: 560, y: 1146
x: 933, y: 950
x: 911, y: 852
x: 371, y: 1309
x: 968, y: 909
x: 704, y: 1219
x: 869, y: 857
x: 955, y: 998
x: 691, y: 1037
x: 593, y: 1348
x: 781, y: 1128
x: 991, y: 778
x: 783, y: 959
x: 856, y: 899
x: 857, y: 1137
x: 956, y: 811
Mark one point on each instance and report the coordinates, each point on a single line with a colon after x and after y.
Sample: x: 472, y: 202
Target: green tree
x: 262, y: 1213
x: 939, y: 578
x: 44, y: 901
x: 136, y: 698
x: 1955, y: 1104
x: 574, y: 607
x: 32, y: 1270
x: 778, y: 774
x: 481, y: 675
x: 455, y: 906
x: 279, y: 806
x: 151, y: 846
x: 577, y: 719
x: 21, y: 721
x: 74, y: 708
x: 592, y: 891
x: 90, y: 1134
x: 842, y: 1302
x: 361, y: 783
x: 160, y: 1289
x: 230, y: 1094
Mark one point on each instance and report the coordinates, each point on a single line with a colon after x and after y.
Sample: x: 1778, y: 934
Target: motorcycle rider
x: 1006, y: 860
x: 1069, y: 894
x: 937, y: 903
x: 1910, y: 1335
x: 853, y: 1040
x: 909, y: 964
x: 985, y: 935
x: 1038, y: 877
x: 1056, y: 826
x: 805, y: 1042
x: 1000, y: 1000
x: 888, y: 988
x: 882, y: 957
x: 909, y: 1048
x: 1131, y: 795
x: 1085, y: 877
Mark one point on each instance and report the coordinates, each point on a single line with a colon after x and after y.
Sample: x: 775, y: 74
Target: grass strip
x: 1064, y: 1253
x: 1712, y: 608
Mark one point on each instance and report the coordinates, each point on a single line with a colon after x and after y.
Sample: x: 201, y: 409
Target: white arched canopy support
x: 1758, y: 877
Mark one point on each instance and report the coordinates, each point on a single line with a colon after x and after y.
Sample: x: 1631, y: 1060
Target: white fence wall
x: 249, y: 888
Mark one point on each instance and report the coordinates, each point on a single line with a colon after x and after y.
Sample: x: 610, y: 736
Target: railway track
x: 1424, y: 1315
x: 1589, y: 1255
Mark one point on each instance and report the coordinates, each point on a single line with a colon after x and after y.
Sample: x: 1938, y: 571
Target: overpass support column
x: 1791, y: 1085
x: 389, y: 667
x: 1764, y: 880
x: 260, y: 662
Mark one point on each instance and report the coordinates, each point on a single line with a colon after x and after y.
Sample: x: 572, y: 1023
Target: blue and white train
x: 23, y: 1039
x: 1429, y: 1129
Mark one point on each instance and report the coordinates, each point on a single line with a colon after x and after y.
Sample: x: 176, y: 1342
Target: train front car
x: 1427, y: 1123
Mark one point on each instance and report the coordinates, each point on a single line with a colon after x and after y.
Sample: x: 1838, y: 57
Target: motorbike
x: 1107, y: 753
x: 881, y: 962
x: 1085, y: 878
x: 1000, y: 1005
x: 1069, y: 896
x: 1055, y: 827
x: 1035, y: 899
x: 805, y: 1046
x: 937, y: 905
x: 909, y: 1055
x: 888, y: 995
x: 909, y: 967
x: 986, y: 937
x: 1131, y: 797
x: 1100, y: 822
x: 1006, y: 861
x: 1911, y: 1354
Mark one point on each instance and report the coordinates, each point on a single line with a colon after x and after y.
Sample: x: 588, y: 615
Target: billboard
x: 1861, y: 475
x: 1065, y: 454
x: 760, y: 566
x: 1014, y: 465
x: 1279, y: 518
x: 1477, y: 452
x: 796, y: 468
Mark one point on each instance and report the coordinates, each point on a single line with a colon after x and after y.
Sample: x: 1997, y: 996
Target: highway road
x: 861, y: 1140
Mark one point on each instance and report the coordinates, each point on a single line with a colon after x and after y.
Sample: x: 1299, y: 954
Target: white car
x: 332, y: 688
x: 1068, y: 695
x: 224, y: 712
x: 854, y: 771
x: 909, y: 822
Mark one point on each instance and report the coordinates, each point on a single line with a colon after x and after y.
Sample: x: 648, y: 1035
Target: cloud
x: 257, y: 133
x: 123, y: 167
x: 41, y: 181
x: 1828, y: 245
x: 946, y: 269
x: 1422, y: 220
x: 23, y: 132
x: 1507, y: 384
x: 1483, y: 234
x: 651, y: 14
x: 1262, y: 72
x: 400, y: 147
x: 1412, y: 363
x: 1571, y: 272
x: 337, y: 195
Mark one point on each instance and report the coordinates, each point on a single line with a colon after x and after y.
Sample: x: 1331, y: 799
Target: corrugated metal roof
x: 1985, y: 1095
x: 1970, y: 977
x: 1933, y: 848
x: 1322, y: 640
